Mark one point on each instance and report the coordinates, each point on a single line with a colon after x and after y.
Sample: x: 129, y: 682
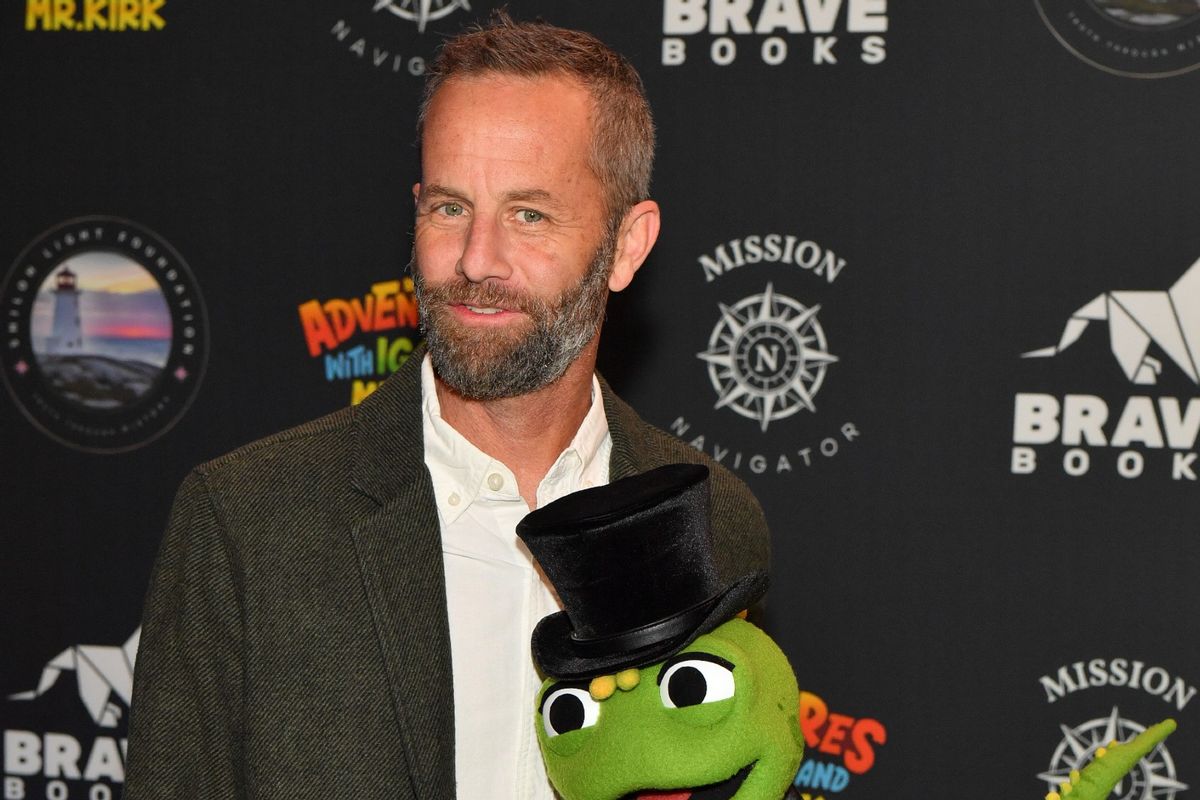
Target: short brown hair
x: 622, y: 147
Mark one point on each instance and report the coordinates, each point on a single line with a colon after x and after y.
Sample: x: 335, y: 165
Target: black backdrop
x: 961, y: 608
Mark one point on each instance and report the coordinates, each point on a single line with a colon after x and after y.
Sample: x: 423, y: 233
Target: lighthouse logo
x: 105, y: 337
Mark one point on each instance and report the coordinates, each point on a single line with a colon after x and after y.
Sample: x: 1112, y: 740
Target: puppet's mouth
x: 722, y: 790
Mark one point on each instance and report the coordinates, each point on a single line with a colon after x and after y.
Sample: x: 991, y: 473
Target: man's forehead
x: 533, y: 132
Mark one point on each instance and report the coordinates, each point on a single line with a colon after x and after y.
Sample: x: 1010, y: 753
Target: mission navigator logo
x: 769, y: 356
x: 399, y: 36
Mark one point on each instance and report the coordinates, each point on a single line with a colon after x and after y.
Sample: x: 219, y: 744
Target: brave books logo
x: 52, y: 751
x: 1153, y: 340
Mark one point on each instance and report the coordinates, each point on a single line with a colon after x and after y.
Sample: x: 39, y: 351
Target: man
x: 343, y: 609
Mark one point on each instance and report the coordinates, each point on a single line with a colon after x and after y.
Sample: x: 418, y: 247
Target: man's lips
x: 481, y: 312
x: 722, y: 790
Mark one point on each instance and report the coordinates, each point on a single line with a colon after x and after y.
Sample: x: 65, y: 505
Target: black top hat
x: 632, y: 563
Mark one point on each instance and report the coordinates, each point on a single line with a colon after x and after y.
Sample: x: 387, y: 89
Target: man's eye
x: 568, y: 709
x: 695, y: 681
x: 530, y: 216
x: 452, y: 209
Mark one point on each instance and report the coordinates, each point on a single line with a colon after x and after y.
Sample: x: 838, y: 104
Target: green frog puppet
x: 657, y: 687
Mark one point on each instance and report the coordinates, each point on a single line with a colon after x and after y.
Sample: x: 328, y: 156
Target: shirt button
x: 495, y: 481
x: 454, y: 499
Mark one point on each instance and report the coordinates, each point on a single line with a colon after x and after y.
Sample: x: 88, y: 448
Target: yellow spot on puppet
x: 628, y: 679
x: 1066, y: 788
x: 1074, y: 776
x: 1102, y: 752
x: 1053, y: 796
x: 602, y: 687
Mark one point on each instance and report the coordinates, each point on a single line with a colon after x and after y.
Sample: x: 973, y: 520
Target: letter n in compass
x: 767, y: 357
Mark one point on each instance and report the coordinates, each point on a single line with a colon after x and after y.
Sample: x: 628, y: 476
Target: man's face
x: 510, y: 256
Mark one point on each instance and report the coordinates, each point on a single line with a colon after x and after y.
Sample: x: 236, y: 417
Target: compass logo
x: 367, y: 29
x: 767, y: 357
x: 421, y: 11
x: 1154, y: 777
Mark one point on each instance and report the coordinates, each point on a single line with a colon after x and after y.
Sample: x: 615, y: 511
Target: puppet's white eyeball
x: 695, y: 678
x: 568, y: 708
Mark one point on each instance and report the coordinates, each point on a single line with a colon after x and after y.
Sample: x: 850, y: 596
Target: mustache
x: 459, y: 291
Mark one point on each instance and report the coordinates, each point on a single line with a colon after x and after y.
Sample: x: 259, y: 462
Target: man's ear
x: 639, y: 232
x: 416, y: 192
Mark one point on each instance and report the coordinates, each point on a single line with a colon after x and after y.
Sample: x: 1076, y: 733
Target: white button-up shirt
x: 495, y: 595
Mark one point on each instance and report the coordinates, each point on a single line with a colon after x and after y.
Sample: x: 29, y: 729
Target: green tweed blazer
x: 295, y: 642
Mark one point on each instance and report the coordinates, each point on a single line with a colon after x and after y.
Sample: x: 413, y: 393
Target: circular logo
x: 421, y: 11
x: 105, y: 335
x: 1152, y: 779
x: 1134, y: 38
x: 767, y: 357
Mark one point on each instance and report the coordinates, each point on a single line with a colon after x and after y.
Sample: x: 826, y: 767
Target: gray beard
x: 486, y: 365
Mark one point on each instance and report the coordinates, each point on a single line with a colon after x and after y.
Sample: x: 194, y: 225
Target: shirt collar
x: 460, y: 471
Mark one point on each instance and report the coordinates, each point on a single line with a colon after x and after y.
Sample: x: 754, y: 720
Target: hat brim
x: 559, y: 656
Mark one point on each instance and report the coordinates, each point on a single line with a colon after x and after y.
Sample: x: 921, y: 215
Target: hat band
x: 662, y: 630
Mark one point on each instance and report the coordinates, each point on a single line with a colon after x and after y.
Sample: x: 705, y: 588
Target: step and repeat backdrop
x: 929, y: 282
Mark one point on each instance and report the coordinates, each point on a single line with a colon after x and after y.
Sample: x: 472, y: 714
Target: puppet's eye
x: 568, y: 708
x: 694, y: 678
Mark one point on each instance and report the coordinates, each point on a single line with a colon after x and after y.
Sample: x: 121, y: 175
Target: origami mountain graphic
x: 101, y: 671
x: 1170, y: 320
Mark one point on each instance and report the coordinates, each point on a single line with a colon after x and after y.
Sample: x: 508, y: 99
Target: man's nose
x: 484, y: 253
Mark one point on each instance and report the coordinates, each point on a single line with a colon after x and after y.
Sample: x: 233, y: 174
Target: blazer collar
x: 629, y: 454
x: 398, y: 544
x: 387, y: 433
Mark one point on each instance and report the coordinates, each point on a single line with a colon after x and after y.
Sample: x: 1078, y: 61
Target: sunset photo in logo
x: 1149, y: 13
x: 101, y: 330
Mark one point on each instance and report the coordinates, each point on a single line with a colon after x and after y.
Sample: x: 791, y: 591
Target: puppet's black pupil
x: 687, y: 687
x: 566, y: 713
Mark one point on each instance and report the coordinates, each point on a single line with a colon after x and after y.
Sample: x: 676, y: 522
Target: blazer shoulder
x: 640, y: 446
x: 313, y: 453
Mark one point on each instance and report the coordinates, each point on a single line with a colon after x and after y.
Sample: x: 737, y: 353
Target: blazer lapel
x: 629, y: 449
x: 398, y: 544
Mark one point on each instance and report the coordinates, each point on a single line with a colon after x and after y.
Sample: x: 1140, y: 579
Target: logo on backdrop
x: 105, y: 336
x: 773, y: 32
x: 1134, y: 38
x: 1123, y: 682
x: 767, y: 358
x: 1154, y: 335
x: 94, y: 15
x: 356, y: 338
x: 396, y: 35
x: 838, y: 748
x: 97, y: 680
